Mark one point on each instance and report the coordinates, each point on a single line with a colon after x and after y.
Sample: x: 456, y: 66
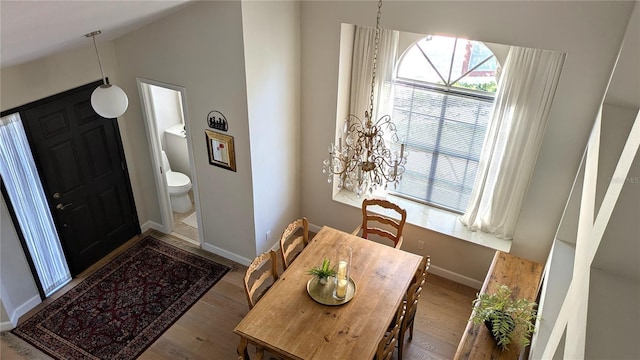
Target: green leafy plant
x: 323, y: 271
x: 509, y: 320
x: 489, y: 87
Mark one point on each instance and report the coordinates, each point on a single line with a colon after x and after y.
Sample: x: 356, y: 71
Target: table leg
x: 242, y: 349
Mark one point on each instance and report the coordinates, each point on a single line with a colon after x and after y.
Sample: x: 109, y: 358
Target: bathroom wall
x: 167, y: 109
x: 176, y: 149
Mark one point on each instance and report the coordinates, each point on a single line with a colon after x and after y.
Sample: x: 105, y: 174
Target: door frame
x: 155, y: 148
x: 114, y: 122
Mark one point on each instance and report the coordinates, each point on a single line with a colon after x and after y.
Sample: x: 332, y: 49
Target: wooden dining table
x: 290, y: 324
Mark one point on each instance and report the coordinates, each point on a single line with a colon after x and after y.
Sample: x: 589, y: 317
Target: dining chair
x: 257, y: 274
x: 377, y: 224
x: 387, y: 345
x: 411, y: 302
x: 292, y: 242
x: 259, y: 355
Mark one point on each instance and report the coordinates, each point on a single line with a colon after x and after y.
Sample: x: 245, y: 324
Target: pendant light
x: 109, y: 101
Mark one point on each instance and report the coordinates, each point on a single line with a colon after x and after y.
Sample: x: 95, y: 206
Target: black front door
x: 82, y: 166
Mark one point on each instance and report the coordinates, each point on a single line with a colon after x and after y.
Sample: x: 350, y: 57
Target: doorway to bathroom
x: 164, y: 111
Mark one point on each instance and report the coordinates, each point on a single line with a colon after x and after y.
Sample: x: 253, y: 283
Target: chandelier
x: 362, y: 161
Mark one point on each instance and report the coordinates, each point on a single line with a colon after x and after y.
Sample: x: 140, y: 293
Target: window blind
x: 20, y: 176
x: 443, y: 133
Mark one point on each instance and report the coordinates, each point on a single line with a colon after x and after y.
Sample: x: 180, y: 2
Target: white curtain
x: 513, y: 139
x: 362, y: 70
x: 21, y: 180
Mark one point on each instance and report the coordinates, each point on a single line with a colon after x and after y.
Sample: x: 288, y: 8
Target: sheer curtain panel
x: 513, y: 139
x: 362, y: 69
x: 26, y: 194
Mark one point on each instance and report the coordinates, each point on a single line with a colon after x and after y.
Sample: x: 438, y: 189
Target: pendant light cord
x: 93, y: 36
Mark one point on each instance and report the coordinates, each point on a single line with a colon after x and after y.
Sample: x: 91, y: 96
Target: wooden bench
x: 523, y: 277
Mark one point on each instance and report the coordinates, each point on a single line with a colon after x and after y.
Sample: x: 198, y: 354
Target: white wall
x: 18, y: 289
x: 199, y: 48
x: 271, y: 33
x: 589, y: 32
x: 166, y: 109
x: 613, y: 317
x: 625, y: 83
x: 620, y: 247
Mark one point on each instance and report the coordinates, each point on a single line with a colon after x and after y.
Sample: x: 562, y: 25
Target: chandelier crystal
x: 361, y: 159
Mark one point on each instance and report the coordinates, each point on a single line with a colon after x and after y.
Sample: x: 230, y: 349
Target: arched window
x: 443, y: 96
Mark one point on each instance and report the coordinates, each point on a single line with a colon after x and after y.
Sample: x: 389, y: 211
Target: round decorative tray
x: 324, y: 293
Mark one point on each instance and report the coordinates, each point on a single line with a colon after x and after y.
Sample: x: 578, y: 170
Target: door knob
x: 56, y: 196
x: 62, y: 207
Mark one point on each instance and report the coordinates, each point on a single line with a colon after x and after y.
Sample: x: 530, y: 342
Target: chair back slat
x: 388, y: 343
x: 411, y: 302
x: 376, y: 223
x: 413, y: 294
x: 395, y: 223
x: 381, y: 232
x: 293, y: 240
x: 263, y: 271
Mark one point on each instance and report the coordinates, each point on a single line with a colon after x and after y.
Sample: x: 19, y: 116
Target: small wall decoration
x: 221, y: 151
x: 217, y: 120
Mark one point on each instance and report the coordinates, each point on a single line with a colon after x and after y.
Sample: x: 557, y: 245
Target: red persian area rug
x: 122, y: 308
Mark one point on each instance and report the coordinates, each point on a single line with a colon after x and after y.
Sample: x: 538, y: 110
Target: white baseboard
x: 226, y: 254
x: 182, y: 237
x: 6, y: 326
x: 19, y: 311
x: 152, y: 225
x: 314, y: 228
x: 450, y: 275
x: 276, y: 246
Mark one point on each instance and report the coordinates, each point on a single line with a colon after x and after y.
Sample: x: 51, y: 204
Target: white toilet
x: 179, y: 186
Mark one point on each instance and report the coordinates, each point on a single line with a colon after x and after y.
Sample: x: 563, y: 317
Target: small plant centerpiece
x: 323, y: 271
x: 508, y: 320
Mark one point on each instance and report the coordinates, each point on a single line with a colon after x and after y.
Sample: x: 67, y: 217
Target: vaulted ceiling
x: 33, y: 29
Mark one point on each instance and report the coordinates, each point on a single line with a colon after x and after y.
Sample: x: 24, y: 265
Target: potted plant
x: 323, y: 271
x: 508, y: 320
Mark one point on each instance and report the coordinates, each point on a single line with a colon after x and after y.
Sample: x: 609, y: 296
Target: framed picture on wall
x: 220, y: 148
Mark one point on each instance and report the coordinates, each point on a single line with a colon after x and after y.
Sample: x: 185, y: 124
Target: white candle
x: 341, y: 288
x: 342, y: 270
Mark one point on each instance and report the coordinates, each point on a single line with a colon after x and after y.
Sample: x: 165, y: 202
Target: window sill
x: 441, y: 221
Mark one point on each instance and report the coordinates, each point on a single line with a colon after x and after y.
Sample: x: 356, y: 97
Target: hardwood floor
x: 181, y: 229
x: 206, y: 330
x: 184, y: 231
